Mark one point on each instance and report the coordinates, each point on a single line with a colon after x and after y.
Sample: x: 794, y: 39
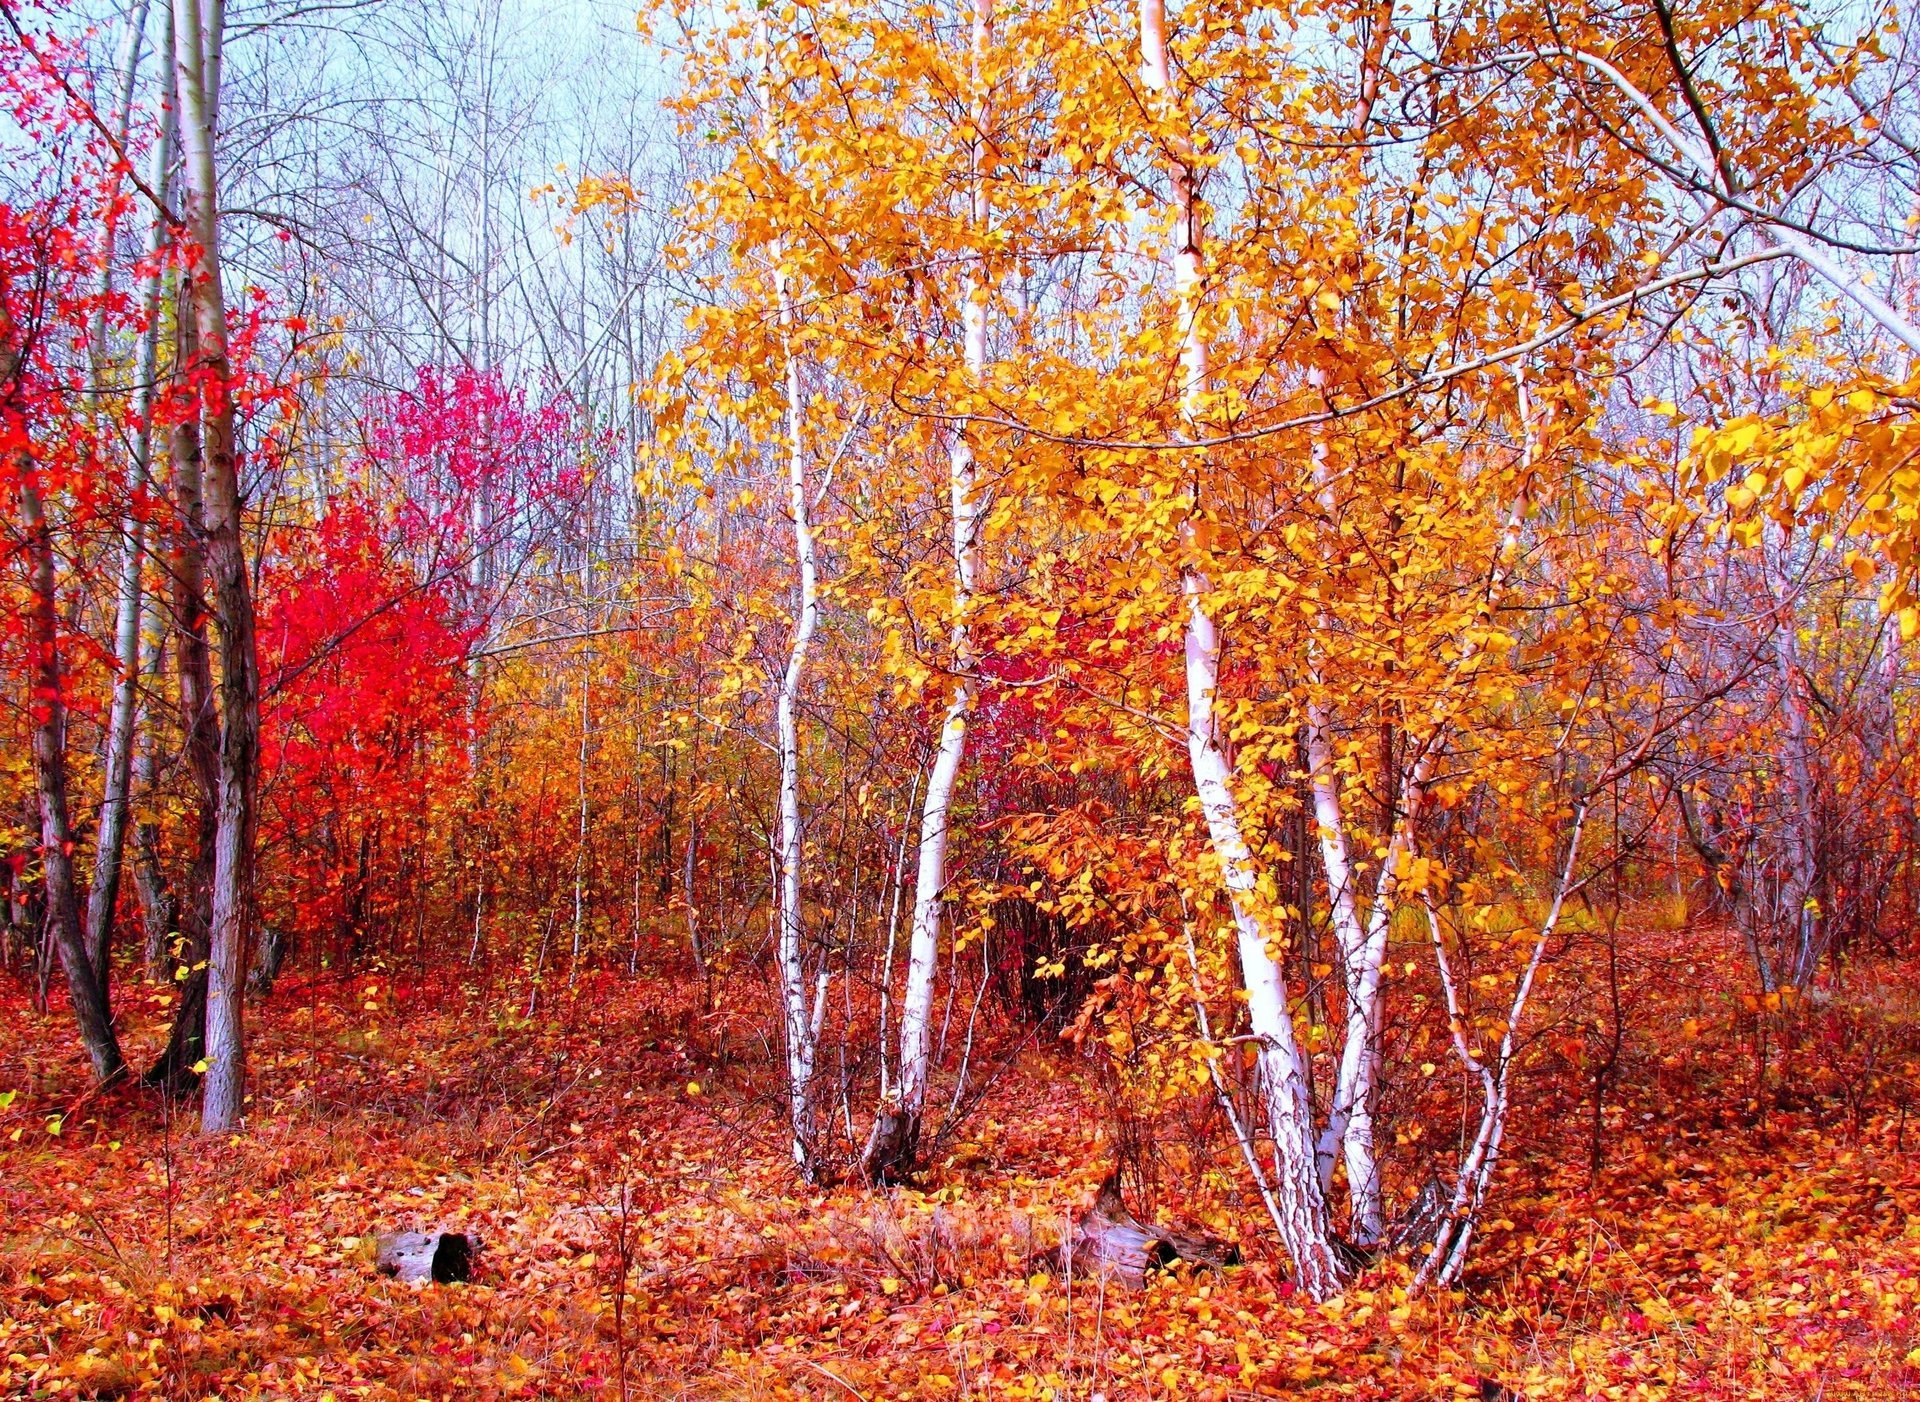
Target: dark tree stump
x: 893, y: 1147
x: 268, y: 957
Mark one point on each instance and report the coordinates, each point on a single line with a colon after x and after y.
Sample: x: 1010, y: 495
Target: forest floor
x: 1725, y: 1249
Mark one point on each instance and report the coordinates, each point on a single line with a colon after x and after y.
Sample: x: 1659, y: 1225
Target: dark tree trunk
x: 268, y: 958
x: 193, y: 659
x: 48, y: 708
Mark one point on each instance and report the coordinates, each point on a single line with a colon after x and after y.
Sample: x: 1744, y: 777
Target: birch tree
x: 894, y: 1145
x: 801, y: 1006
x: 1283, y: 1078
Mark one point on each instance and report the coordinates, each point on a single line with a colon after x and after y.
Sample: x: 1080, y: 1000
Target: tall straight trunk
x: 894, y: 1146
x: 789, y: 854
x: 49, y: 712
x: 1299, y: 1200
x: 110, y: 844
x: 691, y: 847
x: 1362, y: 946
x: 1801, y: 829
x: 792, y: 942
x: 200, y: 741
x: 197, y: 41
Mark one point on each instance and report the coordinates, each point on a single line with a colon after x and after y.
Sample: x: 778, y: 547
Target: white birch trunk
x: 792, y: 942
x: 797, y: 1019
x: 1363, y: 944
x: 895, y: 1144
x: 1363, y: 948
x: 1298, y: 1197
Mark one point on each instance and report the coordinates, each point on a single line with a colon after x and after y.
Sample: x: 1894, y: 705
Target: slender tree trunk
x: 1802, y: 820
x: 193, y: 663
x: 1363, y: 946
x: 157, y: 904
x: 792, y: 940
x: 197, y: 40
x: 49, y: 713
x: 1448, y: 1255
x: 1298, y: 1198
x: 894, y: 1146
x: 115, y: 807
x: 1349, y: 1130
x: 789, y: 853
x: 580, y: 831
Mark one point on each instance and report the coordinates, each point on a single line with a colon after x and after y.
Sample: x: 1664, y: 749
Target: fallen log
x: 1108, y: 1240
x: 415, y: 1257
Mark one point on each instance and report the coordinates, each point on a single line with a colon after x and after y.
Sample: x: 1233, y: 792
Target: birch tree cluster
x: 1236, y: 544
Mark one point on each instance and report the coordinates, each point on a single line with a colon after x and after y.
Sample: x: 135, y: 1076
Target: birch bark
x: 1298, y: 1197
x: 799, y: 1024
x: 894, y: 1146
x: 1349, y: 1130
